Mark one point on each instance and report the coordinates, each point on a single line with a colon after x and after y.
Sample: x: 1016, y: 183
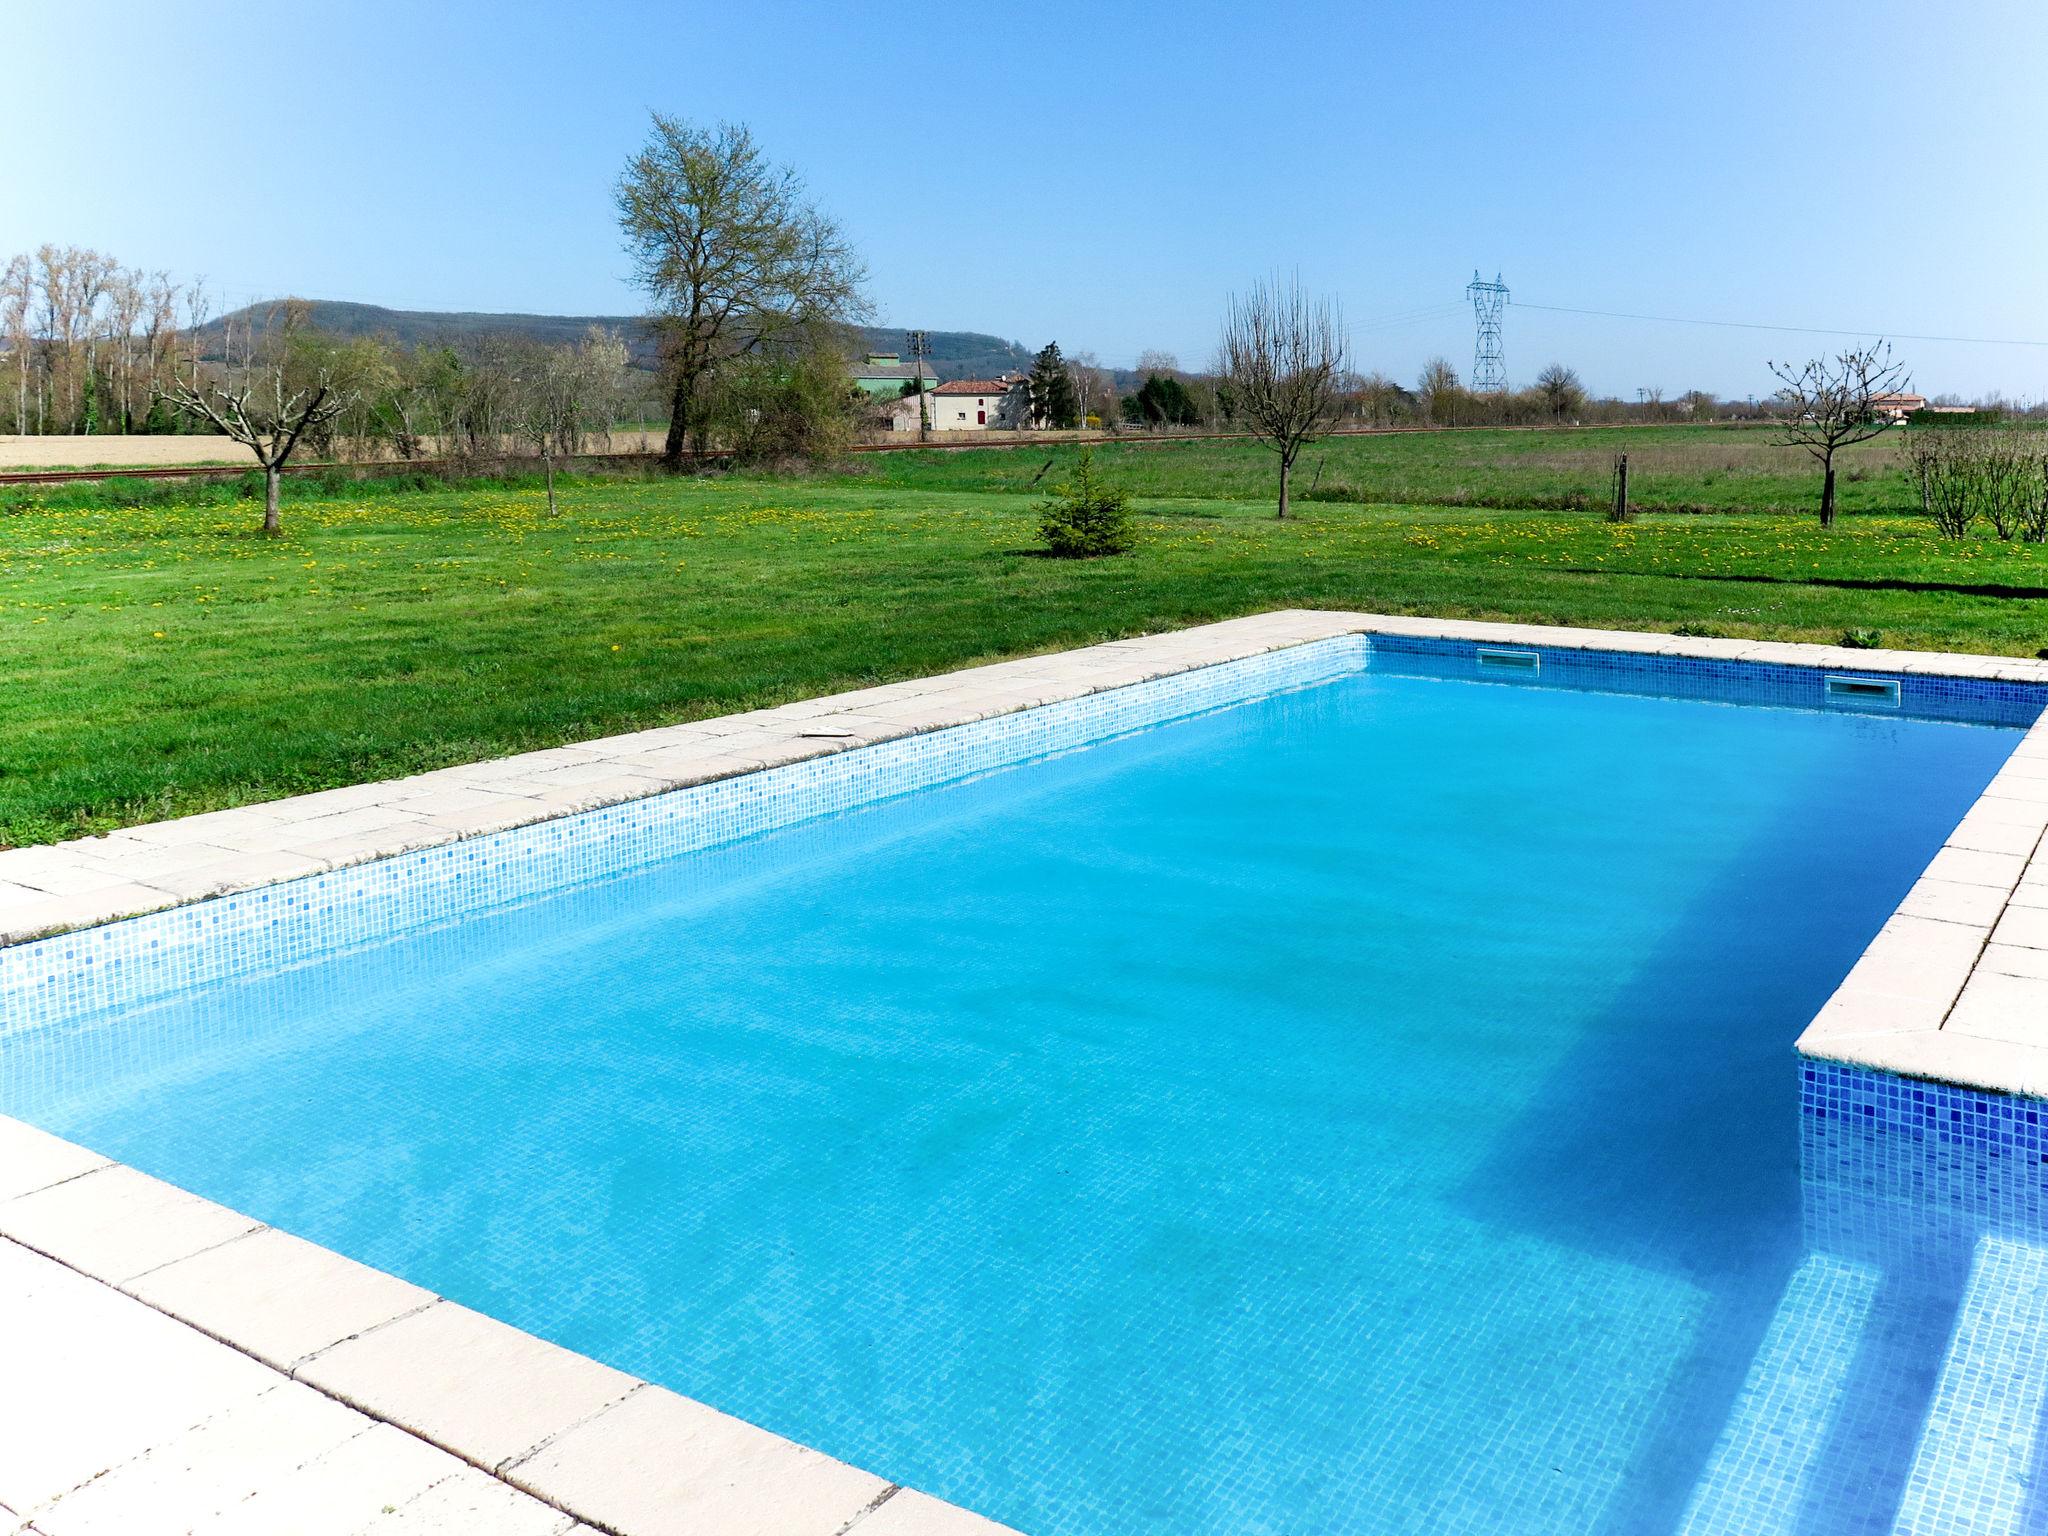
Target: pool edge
x: 1936, y: 995
x: 86, y: 882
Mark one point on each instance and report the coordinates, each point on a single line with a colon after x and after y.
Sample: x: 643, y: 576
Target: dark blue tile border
x: 1921, y: 696
x: 2009, y: 1124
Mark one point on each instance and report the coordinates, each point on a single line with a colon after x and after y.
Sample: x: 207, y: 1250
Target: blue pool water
x: 1365, y: 1109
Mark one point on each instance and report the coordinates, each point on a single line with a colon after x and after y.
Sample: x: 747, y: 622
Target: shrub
x: 1862, y: 639
x: 1084, y: 517
x: 1950, y: 420
x: 2009, y: 473
x: 1996, y: 473
x: 2034, y: 510
x: 801, y: 406
x: 1947, y: 465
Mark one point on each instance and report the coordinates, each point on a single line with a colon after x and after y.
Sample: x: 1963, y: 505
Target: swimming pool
x: 1354, y: 1095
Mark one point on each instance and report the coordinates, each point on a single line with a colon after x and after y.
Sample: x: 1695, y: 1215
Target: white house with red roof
x: 965, y: 405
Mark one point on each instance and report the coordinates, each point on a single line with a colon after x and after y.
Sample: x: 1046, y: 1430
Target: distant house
x: 883, y: 374
x: 893, y: 413
x: 1896, y: 407
x: 965, y: 405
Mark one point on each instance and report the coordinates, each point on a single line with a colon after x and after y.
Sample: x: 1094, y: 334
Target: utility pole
x: 920, y: 343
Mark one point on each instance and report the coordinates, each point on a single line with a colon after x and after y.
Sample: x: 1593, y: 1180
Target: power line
x: 1802, y: 330
x: 1411, y: 317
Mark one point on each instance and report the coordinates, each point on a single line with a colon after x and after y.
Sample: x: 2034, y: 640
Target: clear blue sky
x: 1105, y: 176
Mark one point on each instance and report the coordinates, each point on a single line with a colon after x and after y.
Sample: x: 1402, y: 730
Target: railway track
x: 625, y: 460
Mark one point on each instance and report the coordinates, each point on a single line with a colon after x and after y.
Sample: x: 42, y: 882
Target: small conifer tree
x: 1085, y: 517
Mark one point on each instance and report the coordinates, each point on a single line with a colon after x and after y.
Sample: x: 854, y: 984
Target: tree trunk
x: 1286, y: 464
x: 678, y: 426
x: 548, y: 459
x: 1827, y: 496
x: 271, y: 525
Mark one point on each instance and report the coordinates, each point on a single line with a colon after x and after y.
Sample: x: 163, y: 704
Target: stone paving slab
x: 118, y: 1421
x: 278, y: 1297
x: 460, y: 1378
x: 660, y: 1464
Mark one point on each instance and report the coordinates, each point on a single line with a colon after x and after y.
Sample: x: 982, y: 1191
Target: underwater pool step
x: 1972, y: 1471
x: 1756, y: 1480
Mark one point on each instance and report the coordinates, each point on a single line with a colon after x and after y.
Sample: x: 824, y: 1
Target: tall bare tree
x: 1561, y: 390
x: 72, y: 282
x: 17, y: 300
x: 1094, y: 388
x: 121, y: 319
x: 1440, y: 392
x: 86, y: 338
x: 602, y: 359
x: 268, y: 404
x: 732, y: 253
x: 1830, y: 403
x: 1283, y: 360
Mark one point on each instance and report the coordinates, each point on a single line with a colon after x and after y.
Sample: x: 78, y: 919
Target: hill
x: 954, y: 354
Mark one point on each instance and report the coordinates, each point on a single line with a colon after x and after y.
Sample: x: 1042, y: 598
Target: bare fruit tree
x: 562, y: 392
x: 733, y: 255
x: 1283, y: 361
x: 271, y: 400
x: 1831, y: 403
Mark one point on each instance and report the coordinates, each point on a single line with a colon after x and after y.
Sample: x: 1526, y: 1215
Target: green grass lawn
x: 163, y: 659
x: 1671, y: 468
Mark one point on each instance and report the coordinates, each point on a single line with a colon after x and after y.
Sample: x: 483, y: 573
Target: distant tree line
x: 87, y: 343
x: 279, y: 387
x: 1168, y: 396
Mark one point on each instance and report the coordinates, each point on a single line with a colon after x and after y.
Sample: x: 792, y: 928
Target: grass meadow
x: 160, y: 657
x: 1671, y: 469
